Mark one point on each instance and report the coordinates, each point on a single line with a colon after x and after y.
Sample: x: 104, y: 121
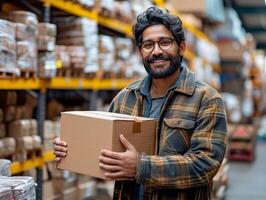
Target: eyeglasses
x: 164, y: 44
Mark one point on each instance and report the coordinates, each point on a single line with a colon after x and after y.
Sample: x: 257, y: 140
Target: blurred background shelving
x: 60, y: 55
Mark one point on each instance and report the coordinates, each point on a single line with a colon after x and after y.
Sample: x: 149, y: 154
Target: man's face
x: 160, y: 52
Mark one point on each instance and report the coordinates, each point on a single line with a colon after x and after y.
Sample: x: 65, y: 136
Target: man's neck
x: 159, y: 87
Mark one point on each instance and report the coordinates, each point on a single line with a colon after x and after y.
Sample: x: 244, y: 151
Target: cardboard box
x: 2, y: 130
x: 87, y: 132
x: 189, y: 6
x: 231, y: 50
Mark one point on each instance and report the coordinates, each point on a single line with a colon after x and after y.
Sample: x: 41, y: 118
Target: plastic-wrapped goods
x: 26, y: 55
x: 20, y: 188
x: 46, y: 43
x: 22, y: 32
x: 4, y: 167
x: 33, y: 127
x: 48, y: 130
x: 24, y: 143
x: 7, y: 27
x: 46, y: 64
x: 106, y: 53
x: 77, y: 56
x: 2, y: 130
x: 47, y: 29
x: 28, y: 18
x: 124, y: 48
x: 7, y: 43
x: 37, y: 142
x: 87, y: 3
x: 7, y: 53
x: 19, y: 128
x: 62, y: 56
x: 8, y: 146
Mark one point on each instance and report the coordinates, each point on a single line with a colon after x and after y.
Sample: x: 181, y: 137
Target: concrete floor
x: 247, y: 181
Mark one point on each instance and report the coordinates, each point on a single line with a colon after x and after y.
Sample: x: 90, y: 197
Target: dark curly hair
x: 156, y: 16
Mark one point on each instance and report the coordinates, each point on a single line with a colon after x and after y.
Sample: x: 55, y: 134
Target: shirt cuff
x: 143, y: 169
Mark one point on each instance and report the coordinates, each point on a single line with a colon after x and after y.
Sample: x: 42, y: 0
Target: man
x: 191, y: 130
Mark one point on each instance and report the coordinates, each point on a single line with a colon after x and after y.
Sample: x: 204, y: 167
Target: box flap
x: 107, y: 115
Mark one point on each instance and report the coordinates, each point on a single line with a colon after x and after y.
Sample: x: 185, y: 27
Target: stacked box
x: 106, y: 53
x: 46, y: 47
x: 7, y: 47
x: 80, y: 32
x: 26, y: 35
x: 8, y: 146
x: 62, y: 56
x: 51, y: 131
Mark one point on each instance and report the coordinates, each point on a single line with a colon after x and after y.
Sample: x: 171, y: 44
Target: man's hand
x: 60, y: 149
x: 120, y: 165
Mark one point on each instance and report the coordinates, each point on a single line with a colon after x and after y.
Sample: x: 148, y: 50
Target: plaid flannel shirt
x: 190, y: 145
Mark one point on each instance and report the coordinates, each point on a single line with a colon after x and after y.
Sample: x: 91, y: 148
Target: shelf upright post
x: 41, y: 113
x: 41, y: 106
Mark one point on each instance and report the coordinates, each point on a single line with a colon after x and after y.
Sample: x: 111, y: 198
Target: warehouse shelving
x: 77, y: 9
x: 64, y: 83
x: 20, y: 84
x: 18, y: 167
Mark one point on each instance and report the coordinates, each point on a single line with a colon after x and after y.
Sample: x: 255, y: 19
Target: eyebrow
x: 159, y: 39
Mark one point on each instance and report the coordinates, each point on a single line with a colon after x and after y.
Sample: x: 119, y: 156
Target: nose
x: 157, y: 50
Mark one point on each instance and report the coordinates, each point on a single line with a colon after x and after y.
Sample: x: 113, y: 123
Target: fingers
x: 126, y: 143
x: 60, y: 148
x: 111, y: 154
x: 109, y: 161
x: 60, y: 154
x: 59, y: 142
x: 109, y: 168
x: 117, y: 176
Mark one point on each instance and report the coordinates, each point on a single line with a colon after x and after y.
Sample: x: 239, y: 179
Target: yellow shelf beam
x: 18, y: 167
x: 78, y: 10
x: 91, y: 84
x: 20, y: 84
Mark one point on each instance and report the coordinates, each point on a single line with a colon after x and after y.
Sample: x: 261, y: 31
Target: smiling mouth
x: 159, y: 61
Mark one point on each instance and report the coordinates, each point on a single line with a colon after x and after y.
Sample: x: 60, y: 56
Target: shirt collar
x: 185, y: 83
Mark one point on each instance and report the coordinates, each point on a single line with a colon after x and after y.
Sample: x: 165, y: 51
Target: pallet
x: 26, y: 155
x: 241, y: 155
x: 7, y: 75
x: 77, y: 72
x: 28, y: 74
x: 63, y: 72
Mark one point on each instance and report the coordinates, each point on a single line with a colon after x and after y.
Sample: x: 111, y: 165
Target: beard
x: 175, y: 63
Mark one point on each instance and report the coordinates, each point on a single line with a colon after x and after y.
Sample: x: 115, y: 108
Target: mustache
x: 158, y: 57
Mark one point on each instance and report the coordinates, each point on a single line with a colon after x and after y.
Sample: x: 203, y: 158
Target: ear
x: 182, y: 48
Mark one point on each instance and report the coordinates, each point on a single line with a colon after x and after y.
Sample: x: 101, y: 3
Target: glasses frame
x: 158, y: 42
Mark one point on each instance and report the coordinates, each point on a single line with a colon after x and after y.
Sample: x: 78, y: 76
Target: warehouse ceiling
x: 253, y: 16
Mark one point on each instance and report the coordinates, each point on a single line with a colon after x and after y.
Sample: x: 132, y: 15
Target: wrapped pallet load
x: 26, y: 36
x: 7, y: 48
x: 17, y: 188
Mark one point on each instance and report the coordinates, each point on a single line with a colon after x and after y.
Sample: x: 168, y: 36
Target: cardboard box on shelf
x: 19, y: 128
x: 101, y: 130
x: 189, y: 6
x: 1, y: 115
x: 2, y: 130
x: 9, y: 113
x: 231, y: 50
x: 8, y: 98
x: 8, y: 146
x: 24, y: 143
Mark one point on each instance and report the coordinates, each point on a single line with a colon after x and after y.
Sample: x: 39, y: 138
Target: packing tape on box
x: 136, y: 127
